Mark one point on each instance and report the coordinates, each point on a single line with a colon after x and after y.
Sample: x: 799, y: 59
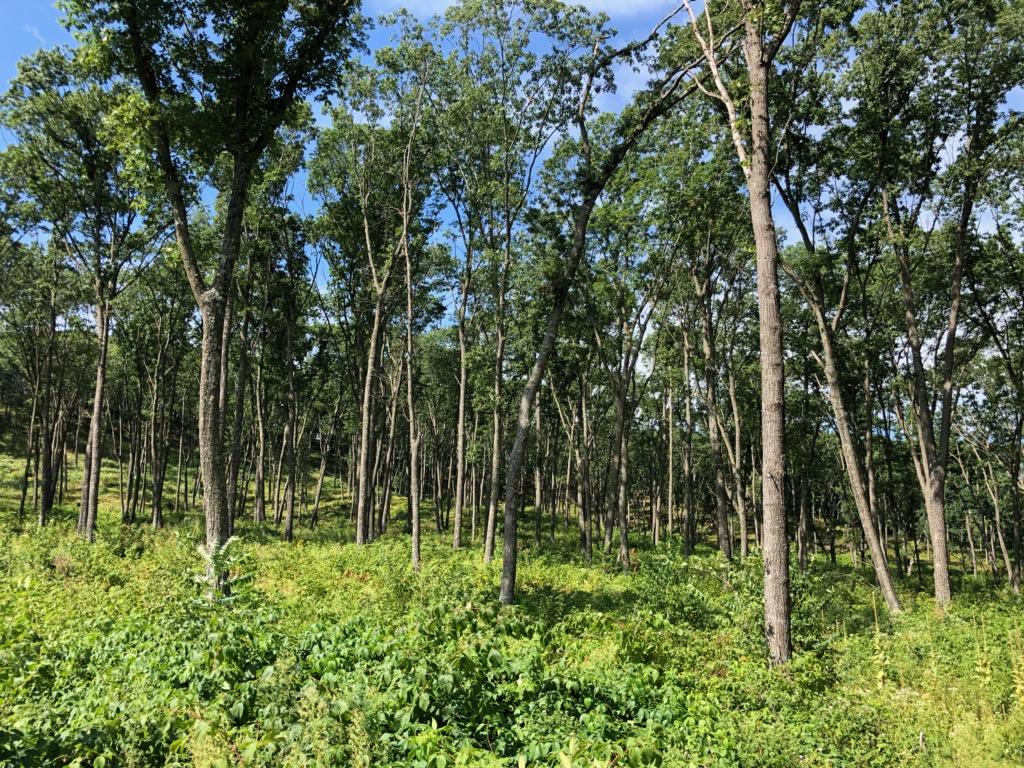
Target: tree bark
x: 364, y: 489
x: 291, y: 417
x: 775, y: 546
x: 91, y: 475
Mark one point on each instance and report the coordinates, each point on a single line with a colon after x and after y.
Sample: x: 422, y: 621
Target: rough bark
x: 775, y: 546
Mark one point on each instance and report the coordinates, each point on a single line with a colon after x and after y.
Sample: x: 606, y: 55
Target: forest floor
x: 332, y: 654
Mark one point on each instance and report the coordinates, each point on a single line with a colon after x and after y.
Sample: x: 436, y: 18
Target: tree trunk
x: 460, y: 427
x: 259, y: 482
x: 547, y: 345
x: 211, y: 449
x: 91, y: 475
x: 851, y: 459
x: 714, y: 433
x: 241, y: 376
x: 496, y: 441
x: 690, y: 520
x: 291, y: 418
x: 670, y: 426
x: 775, y: 545
x: 363, y: 501
x: 29, y: 453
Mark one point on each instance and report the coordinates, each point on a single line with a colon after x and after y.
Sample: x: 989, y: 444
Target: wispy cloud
x: 34, y: 31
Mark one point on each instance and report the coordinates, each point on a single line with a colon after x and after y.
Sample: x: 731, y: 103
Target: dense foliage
x: 332, y: 654
x: 710, y: 333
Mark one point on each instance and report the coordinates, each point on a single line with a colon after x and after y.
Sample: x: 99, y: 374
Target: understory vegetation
x: 328, y: 653
x: 512, y: 383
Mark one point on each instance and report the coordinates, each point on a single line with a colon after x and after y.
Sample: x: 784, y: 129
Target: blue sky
x: 28, y: 25
x: 31, y: 24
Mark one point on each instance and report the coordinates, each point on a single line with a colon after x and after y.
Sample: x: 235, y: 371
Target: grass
x: 332, y: 654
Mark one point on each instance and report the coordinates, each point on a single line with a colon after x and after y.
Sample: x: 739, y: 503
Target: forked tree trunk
x: 460, y: 427
x: 291, y: 417
x: 91, y: 475
x: 363, y: 500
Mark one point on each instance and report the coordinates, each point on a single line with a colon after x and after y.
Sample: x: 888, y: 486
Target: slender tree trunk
x: 690, y: 520
x: 714, y: 433
x: 278, y: 474
x: 385, y: 502
x: 259, y: 484
x: 241, y: 376
x: 91, y: 477
x: 584, y: 468
x: 154, y: 449
x: 547, y: 345
x: 615, y: 461
x: 736, y: 457
x: 460, y: 427
x: 775, y: 547
x: 29, y: 452
x: 851, y: 459
x: 1015, y: 494
x: 364, y: 491
x: 496, y: 442
x: 623, y: 503
x: 670, y: 427
x: 538, y: 501
x: 289, y: 430
x: 933, y: 452
x: 595, y: 180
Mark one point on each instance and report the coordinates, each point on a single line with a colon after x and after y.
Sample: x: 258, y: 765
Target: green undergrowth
x: 331, y: 654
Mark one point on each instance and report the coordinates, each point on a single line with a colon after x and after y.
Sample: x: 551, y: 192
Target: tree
x: 594, y: 167
x: 502, y: 94
x: 217, y: 81
x: 76, y: 182
x: 753, y: 147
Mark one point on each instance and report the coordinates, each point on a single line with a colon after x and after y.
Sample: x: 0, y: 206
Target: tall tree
x: 593, y: 167
x: 763, y: 34
x: 76, y: 181
x: 218, y: 81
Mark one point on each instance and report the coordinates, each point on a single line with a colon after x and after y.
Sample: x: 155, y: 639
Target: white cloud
x: 34, y: 31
